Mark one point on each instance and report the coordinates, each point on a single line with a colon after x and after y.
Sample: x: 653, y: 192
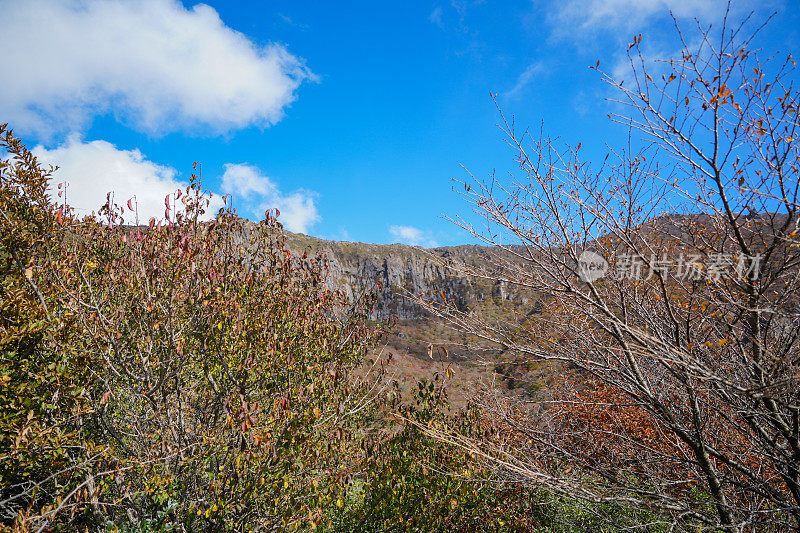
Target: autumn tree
x: 669, y: 275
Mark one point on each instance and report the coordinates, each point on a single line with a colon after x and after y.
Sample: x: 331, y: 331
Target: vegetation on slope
x: 197, y: 376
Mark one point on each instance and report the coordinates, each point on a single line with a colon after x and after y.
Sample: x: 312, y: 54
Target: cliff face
x: 396, y: 271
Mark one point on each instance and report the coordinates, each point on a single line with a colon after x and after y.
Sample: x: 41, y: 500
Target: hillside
x: 419, y: 343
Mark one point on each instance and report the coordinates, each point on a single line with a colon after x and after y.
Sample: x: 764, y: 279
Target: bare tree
x: 670, y: 280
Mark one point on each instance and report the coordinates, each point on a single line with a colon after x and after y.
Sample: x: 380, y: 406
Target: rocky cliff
x: 397, y: 271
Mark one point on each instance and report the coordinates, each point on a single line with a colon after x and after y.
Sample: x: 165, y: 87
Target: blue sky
x: 351, y: 117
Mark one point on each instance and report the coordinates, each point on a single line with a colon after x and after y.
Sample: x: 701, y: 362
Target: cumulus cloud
x: 154, y: 64
x: 93, y: 169
x: 259, y: 192
x: 412, y: 236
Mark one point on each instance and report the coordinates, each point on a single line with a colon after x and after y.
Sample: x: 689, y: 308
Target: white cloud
x: 298, y: 210
x: 412, y: 236
x: 436, y: 17
x: 630, y: 14
x: 525, y: 78
x: 154, y: 64
x: 93, y: 169
x: 293, y: 23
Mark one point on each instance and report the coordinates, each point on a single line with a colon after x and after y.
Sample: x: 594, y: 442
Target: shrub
x: 188, y: 374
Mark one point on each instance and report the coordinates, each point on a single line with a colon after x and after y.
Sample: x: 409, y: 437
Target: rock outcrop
x: 398, y: 271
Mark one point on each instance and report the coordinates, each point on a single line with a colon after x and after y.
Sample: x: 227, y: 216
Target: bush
x: 191, y: 375
x: 44, y: 379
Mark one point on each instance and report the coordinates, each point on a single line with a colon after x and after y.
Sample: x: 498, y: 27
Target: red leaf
x: 105, y: 397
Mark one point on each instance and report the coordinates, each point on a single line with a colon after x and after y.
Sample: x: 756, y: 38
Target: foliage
x: 190, y: 375
x: 410, y: 482
x: 43, y: 383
